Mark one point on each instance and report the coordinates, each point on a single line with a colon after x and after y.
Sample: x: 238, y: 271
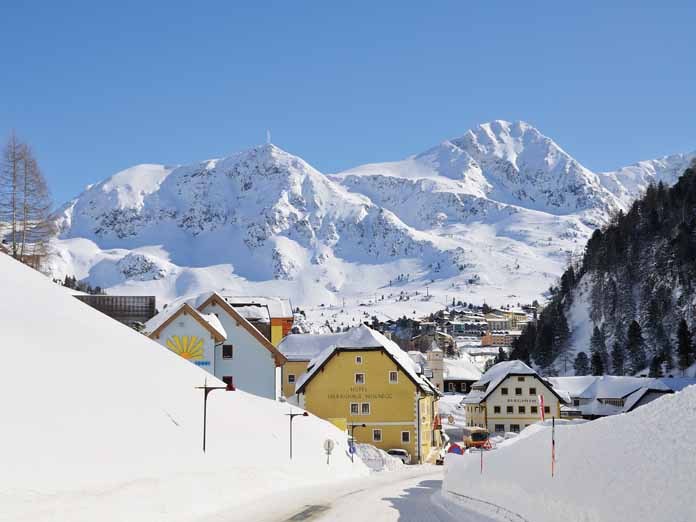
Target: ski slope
x: 101, y: 423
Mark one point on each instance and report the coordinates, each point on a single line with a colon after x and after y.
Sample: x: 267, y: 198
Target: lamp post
x: 292, y: 416
x: 352, y: 438
x: 206, y: 391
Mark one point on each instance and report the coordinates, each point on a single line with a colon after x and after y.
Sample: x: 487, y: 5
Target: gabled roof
x: 462, y: 369
x: 497, y: 373
x: 217, y: 299
x: 278, y: 307
x: 363, y: 338
x: 212, y: 324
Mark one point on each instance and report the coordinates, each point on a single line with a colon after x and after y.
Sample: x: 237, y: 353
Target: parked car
x: 400, y: 454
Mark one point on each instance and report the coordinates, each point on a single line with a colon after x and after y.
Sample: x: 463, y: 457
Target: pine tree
x: 684, y: 346
x: 597, y: 364
x: 655, y: 367
x: 582, y: 364
x: 635, y: 348
x: 618, y: 358
x: 598, y: 344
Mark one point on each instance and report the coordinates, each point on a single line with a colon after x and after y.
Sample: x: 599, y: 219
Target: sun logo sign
x: 188, y: 347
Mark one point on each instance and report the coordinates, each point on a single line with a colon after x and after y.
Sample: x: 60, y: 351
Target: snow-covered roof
x: 496, y: 375
x: 305, y: 347
x: 600, y: 387
x: 462, y: 369
x: 360, y: 338
x: 419, y: 359
x: 213, y: 321
x: 254, y: 313
x: 277, y: 306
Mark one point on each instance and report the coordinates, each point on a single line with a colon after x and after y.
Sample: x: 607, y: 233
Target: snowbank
x: 377, y: 459
x: 101, y: 423
x: 637, y: 466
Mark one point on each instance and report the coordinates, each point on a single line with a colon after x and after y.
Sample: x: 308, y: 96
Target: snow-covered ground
x: 637, y: 466
x: 101, y: 423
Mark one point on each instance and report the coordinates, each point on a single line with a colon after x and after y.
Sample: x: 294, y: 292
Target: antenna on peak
x: 268, y: 137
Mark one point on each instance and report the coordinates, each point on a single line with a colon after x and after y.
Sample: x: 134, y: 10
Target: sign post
x: 328, y: 448
x: 553, y: 446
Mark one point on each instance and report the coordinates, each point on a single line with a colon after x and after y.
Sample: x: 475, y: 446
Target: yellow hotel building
x: 365, y: 378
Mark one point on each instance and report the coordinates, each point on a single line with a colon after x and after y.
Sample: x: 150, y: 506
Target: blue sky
x: 96, y: 88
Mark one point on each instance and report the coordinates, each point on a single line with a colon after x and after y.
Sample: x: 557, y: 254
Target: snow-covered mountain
x: 490, y: 215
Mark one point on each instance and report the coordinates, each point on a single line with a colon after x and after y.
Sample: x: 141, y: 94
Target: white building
x: 506, y: 398
x: 239, y: 353
x: 592, y: 396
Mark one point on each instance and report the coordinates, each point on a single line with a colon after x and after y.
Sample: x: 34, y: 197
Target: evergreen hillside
x: 634, y: 286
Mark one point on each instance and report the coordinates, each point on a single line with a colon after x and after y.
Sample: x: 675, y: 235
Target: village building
x: 279, y: 310
x: 299, y: 350
x: 591, y: 397
x: 500, y: 338
x: 506, y: 398
x: 131, y: 310
x: 498, y: 321
x: 363, y: 378
x: 240, y: 354
x: 459, y: 374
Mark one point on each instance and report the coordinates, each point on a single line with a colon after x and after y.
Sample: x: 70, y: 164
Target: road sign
x: 328, y: 447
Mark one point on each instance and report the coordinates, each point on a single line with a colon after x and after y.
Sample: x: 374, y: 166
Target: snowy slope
x: 101, y: 423
x: 609, y: 469
x: 491, y: 215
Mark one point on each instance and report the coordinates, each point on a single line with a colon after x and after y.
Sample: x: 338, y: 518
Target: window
x: 359, y: 378
x: 358, y: 359
x: 406, y: 437
x: 227, y: 351
x: 504, y: 391
x: 547, y: 409
x: 500, y: 428
x: 518, y: 391
x: 393, y: 377
x: 515, y: 428
x: 462, y: 386
x: 576, y: 402
x: 291, y: 378
x: 532, y: 391
x: 450, y: 386
x: 510, y: 409
x: 377, y: 435
x: 520, y: 379
x: 354, y: 408
x: 496, y: 409
x: 533, y: 409
x: 365, y: 408
x: 521, y: 409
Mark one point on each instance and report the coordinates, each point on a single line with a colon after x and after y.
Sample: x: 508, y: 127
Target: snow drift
x: 637, y: 466
x: 101, y: 423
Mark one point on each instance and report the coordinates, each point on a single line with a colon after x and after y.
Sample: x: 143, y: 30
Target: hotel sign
x: 358, y: 393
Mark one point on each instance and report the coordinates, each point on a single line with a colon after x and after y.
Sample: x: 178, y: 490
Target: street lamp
x: 292, y: 416
x: 206, y: 391
x: 352, y: 438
